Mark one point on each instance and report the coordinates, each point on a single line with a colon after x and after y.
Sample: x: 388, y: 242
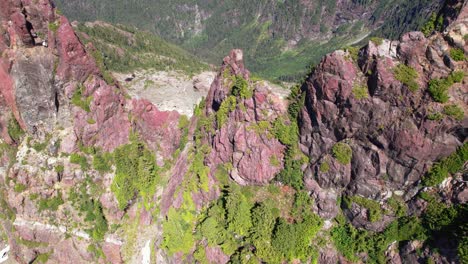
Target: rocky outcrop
x: 387, y: 127
x: 243, y: 140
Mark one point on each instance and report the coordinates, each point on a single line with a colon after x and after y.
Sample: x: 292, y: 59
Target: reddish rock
x: 393, y: 142
x: 216, y: 255
x: 159, y: 129
x: 112, y: 253
x: 255, y: 155
x: 74, y: 63
x: 111, y: 205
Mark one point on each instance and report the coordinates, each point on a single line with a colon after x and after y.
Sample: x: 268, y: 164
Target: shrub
x: 77, y: 99
x: 353, y: 52
x: 324, y: 167
x: 374, y: 211
x: 79, y: 159
x: 184, y: 127
x: 53, y: 26
x: 360, y: 92
x: 437, y: 116
x: 406, y: 75
x: 292, y: 241
x: 20, y: 187
x: 227, y: 106
x: 432, y: 24
x: 457, y: 54
x: 452, y: 164
x: 438, y: 88
x: 342, y: 152
x: 102, y: 162
x: 14, y: 129
x: 241, y: 88
x: 59, y: 168
x: 454, y: 111
x: 51, y: 203
x: 378, y: 41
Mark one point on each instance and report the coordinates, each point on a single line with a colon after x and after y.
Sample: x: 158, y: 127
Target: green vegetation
x: 50, y: 203
x: 342, y: 152
x: 184, y: 123
x: 136, y: 173
x: 350, y: 241
x: 264, y: 52
x: 457, y: 54
x: 450, y: 165
x: 374, y: 211
x: 360, y: 92
x: 433, y: 24
x: 102, y: 162
x: 14, y: 129
x: 241, y: 88
x: 59, y: 168
x: 377, y: 41
x: 42, y: 258
x: 178, y: 229
x: 78, y: 100
x: 436, y: 116
x: 406, y: 75
x: 91, y: 208
x: 286, y: 130
x: 227, y: 106
x: 41, y: 146
x: 324, y: 167
x: 126, y: 49
x: 54, y: 26
x: 398, y: 206
x: 438, y: 88
x: 236, y: 223
x: 20, y: 187
x: 454, y: 111
x: 353, y: 52
x: 79, y: 159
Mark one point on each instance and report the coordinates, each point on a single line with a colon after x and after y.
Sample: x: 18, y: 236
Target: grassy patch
x: 342, y: 152
x: 406, y: 75
x: 377, y: 41
x: 78, y: 100
x: 76, y: 158
x: 50, y: 203
x: 454, y: 111
x: 20, y: 187
x: 360, y: 92
x: 457, y: 54
x: 374, y: 211
x: 450, y: 165
x: 14, y: 129
x: 438, y: 88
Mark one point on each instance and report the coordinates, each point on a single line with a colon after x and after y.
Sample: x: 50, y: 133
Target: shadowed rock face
x: 393, y: 142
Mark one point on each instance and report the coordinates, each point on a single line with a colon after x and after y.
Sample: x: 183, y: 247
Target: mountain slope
x: 125, y: 49
x: 280, y: 39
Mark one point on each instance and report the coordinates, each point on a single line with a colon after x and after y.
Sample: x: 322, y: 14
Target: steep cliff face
x: 239, y: 136
x: 53, y: 89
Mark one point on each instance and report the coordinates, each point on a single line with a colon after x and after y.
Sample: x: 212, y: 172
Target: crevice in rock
x: 56, y: 102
